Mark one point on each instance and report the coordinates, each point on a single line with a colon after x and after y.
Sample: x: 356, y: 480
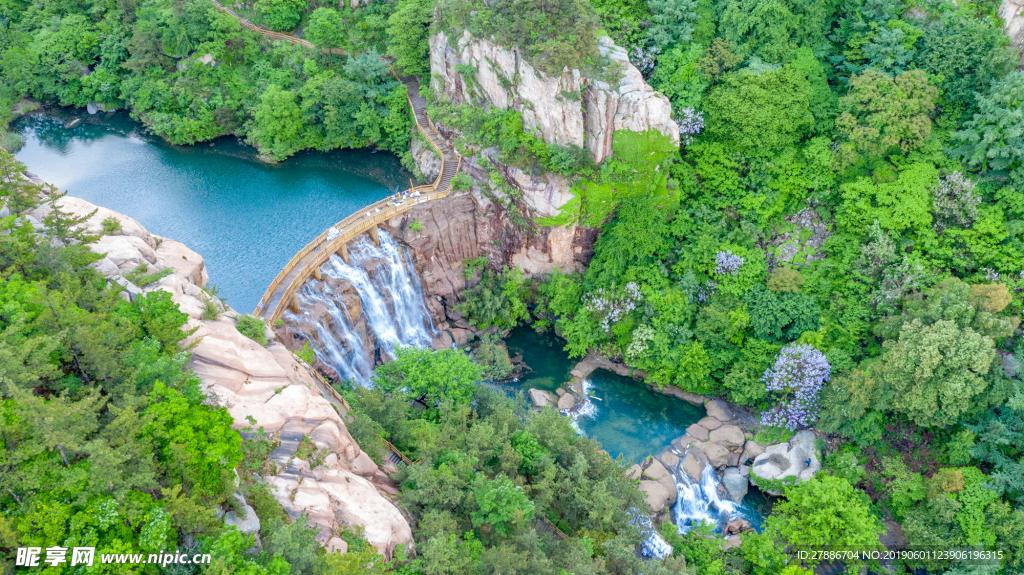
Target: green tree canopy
x: 824, y: 512
x: 759, y: 113
x: 993, y: 140
x: 881, y: 114
x: 435, y: 375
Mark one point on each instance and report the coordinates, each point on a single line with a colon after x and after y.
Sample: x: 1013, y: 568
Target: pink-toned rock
x: 126, y: 252
x: 698, y: 432
x: 752, y: 448
x: 659, y: 495
x: 336, y: 545
x: 718, y: 456
x: 693, y: 467
x: 363, y: 465
x: 709, y: 423
x: 728, y: 436
x: 656, y: 470
x: 181, y: 259
x: 719, y: 409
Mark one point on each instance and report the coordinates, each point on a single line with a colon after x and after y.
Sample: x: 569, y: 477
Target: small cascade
x: 701, y: 502
x: 588, y: 409
x: 391, y: 299
x: 654, y: 545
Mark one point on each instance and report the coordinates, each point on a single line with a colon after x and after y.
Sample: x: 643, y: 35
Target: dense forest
x: 837, y: 244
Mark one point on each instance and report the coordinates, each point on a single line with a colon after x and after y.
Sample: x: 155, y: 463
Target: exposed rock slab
x: 728, y: 436
x: 795, y: 461
x: 588, y: 118
x: 267, y: 384
x: 736, y: 484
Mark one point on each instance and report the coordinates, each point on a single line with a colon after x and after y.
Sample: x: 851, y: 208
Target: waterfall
x: 654, y: 545
x: 406, y: 321
x: 588, y: 409
x: 392, y: 303
x: 338, y: 345
x: 697, y: 502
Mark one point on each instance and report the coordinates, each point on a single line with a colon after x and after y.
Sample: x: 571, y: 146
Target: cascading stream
x: 392, y: 302
x: 341, y: 347
x: 701, y: 502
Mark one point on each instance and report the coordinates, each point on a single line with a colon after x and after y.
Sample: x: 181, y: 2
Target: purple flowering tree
x: 727, y: 263
x: 612, y: 306
x: 798, y: 374
x: 691, y: 123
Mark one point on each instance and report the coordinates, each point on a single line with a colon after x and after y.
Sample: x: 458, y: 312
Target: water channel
x: 246, y: 218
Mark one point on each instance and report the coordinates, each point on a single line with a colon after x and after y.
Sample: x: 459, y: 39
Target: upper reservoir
x: 245, y: 217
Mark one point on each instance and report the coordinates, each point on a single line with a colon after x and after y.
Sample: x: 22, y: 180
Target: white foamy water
x: 392, y: 304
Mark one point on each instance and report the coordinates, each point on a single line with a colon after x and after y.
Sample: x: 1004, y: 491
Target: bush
x: 282, y: 15
x: 416, y: 226
x: 492, y: 355
x: 11, y: 142
x: 252, y: 328
x: 111, y: 225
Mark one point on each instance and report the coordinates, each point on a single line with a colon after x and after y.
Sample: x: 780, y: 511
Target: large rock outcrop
x: 464, y: 227
x: 787, y: 463
x: 1012, y: 12
x: 569, y: 109
x: 264, y: 383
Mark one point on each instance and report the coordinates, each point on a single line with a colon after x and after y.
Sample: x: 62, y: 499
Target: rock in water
x: 692, y: 467
x: 709, y: 423
x: 718, y: 456
x: 540, y: 398
x: 91, y: 108
x: 567, y: 401
x: 656, y: 470
x: 735, y: 484
x: 659, y: 495
x: 697, y: 431
x: 795, y: 461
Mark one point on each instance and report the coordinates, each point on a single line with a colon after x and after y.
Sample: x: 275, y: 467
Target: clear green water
x: 627, y: 417
x: 246, y: 218
x: 542, y: 352
x: 631, y: 419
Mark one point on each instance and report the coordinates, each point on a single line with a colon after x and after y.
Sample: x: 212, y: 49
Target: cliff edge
x: 266, y: 384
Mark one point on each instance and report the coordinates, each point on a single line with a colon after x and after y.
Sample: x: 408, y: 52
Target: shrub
x: 252, y: 328
x: 283, y: 15
x: 492, y: 355
x: 785, y: 280
x: 111, y: 225
x: 416, y: 226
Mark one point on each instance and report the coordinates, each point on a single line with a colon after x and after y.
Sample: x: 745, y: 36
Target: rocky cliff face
x: 466, y: 226
x: 1012, y: 12
x: 567, y: 109
x: 267, y: 384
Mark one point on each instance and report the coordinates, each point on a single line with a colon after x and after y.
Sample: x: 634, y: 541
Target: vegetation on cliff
x: 107, y: 438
